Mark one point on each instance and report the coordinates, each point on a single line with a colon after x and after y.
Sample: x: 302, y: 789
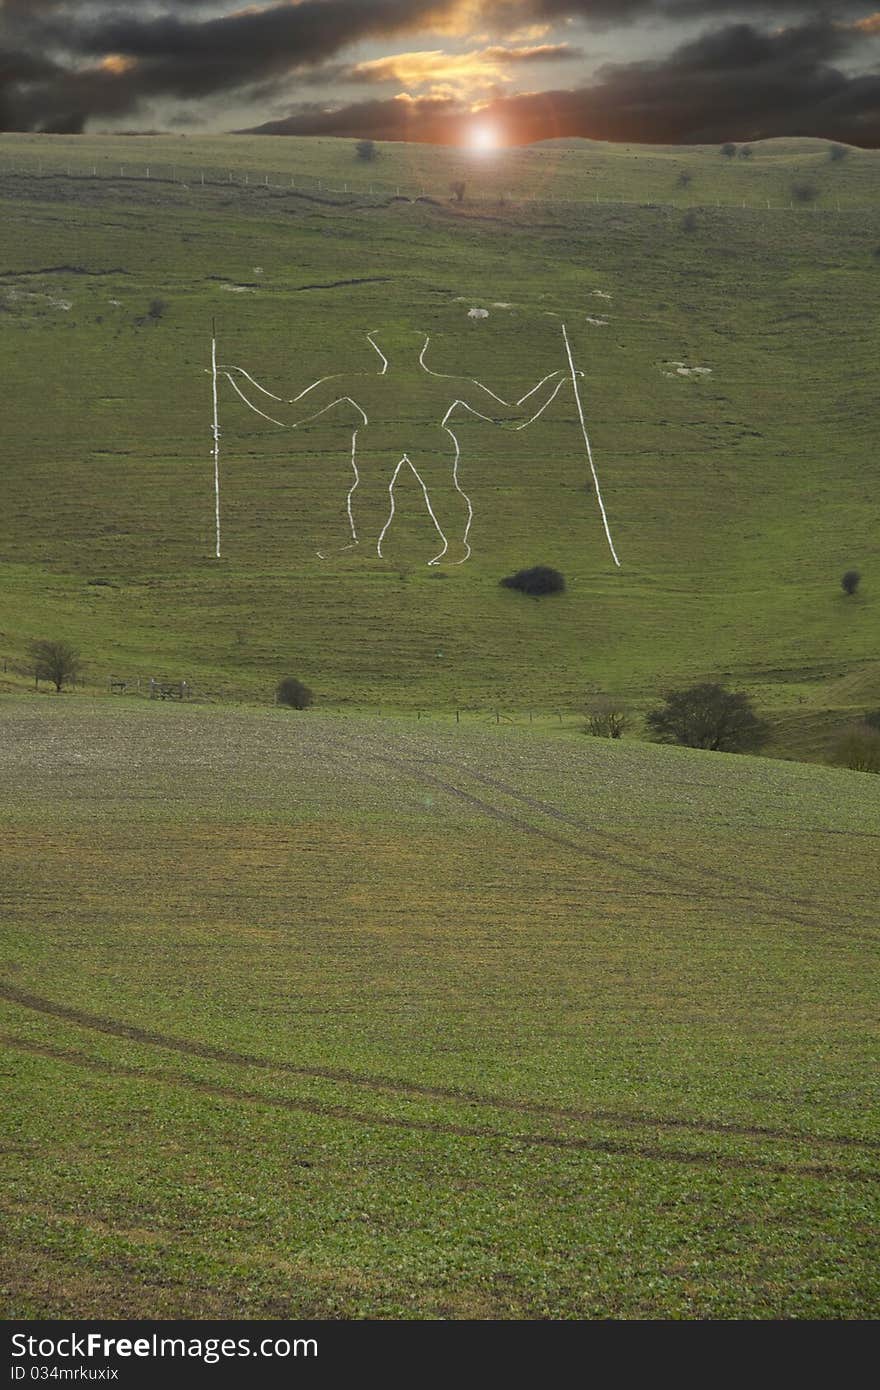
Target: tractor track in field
x: 326, y: 1110
x: 698, y: 880
x: 414, y: 1090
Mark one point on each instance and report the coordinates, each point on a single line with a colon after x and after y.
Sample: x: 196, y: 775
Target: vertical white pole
x: 577, y: 396
x: 216, y: 438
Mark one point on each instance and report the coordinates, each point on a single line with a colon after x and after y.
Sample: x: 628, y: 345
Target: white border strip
x: 577, y: 396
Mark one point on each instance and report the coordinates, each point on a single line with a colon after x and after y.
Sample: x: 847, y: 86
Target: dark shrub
x: 872, y: 719
x: 804, y: 192
x: 859, y: 749
x: 746, y: 152
x: 685, y: 179
x: 536, y: 582
x: 457, y: 190
x: 157, y: 309
x: 690, y: 222
x: 708, y: 716
x: 366, y: 151
x: 728, y: 150
x: 836, y: 153
x: 850, y: 581
x: 293, y: 693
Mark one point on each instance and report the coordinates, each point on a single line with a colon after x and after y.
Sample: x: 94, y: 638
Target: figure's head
x: 399, y: 346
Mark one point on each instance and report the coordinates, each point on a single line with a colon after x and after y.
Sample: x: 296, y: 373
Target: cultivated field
x: 314, y: 1015
x: 737, y: 496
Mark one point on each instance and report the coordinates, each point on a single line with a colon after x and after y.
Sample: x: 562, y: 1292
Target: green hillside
x: 309, y: 1015
x: 737, y: 497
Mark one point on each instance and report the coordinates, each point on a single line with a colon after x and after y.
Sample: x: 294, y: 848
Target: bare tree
x: 859, y: 749
x: 57, y: 662
x: 457, y: 190
x: 606, y: 717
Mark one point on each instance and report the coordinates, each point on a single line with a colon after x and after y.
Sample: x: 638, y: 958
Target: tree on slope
x: 57, y: 662
x: 708, y: 716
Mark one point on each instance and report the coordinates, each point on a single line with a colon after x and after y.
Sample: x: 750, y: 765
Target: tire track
x: 414, y: 1090
x: 302, y: 1105
x: 688, y: 886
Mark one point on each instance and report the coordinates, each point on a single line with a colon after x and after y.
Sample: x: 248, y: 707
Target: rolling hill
x: 729, y: 387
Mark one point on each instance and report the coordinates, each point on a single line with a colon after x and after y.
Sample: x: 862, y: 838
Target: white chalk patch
x: 258, y: 270
x: 597, y: 323
x: 501, y: 304
x: 602, y: 294
x: 478, y: 313
x: 117, y: 303
x: 682, y: 369
x: 238, y: 289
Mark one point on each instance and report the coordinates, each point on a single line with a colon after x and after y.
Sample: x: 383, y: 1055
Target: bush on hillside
x: 746, y: 152
x: 872, y: 719
x: 690, y: 222
x: 803, y: 192
x: 156, y: 310
x: 836, y: 153
x: 606, y: 717
x: 728, y: 150
x: 859, y: 749
x: 366, y: 151
x: 537, y: 581
x: 685, y: 178
x: 708, y: 716
x: 293, y: 693
x: 850, y: 581
x: 57, y: 662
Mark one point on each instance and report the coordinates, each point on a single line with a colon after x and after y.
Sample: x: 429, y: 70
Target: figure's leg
x: 371, y: 504
x: 448, y: 504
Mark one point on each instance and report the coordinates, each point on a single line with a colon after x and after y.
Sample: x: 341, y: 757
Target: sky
x: 654, y: 71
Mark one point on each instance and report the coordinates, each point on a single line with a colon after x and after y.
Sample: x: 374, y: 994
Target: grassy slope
x: 508, y: 1028
x: 737, y: 500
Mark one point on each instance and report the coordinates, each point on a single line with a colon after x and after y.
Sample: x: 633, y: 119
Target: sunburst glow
x: 484, y: 137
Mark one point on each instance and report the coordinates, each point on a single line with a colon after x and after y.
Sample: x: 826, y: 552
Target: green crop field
x: 315, y: 1015
x: 346, y: 1013
x: 737, y: 495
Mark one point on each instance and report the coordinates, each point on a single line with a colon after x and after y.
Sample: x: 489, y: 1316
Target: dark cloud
x: 608, y: 13
x: 736, y: 84
x: 188, y: 58
x: 69, y: 61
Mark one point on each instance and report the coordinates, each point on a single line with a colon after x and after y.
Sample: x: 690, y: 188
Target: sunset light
x: 484, y: 137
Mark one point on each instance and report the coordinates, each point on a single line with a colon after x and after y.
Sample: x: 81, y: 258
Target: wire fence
x: 311, y: 186
x: 178, y: 689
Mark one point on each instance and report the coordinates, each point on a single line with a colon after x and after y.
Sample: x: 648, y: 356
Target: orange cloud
x: 870, y: 24
x: 116, y: 64
x: 435, y: 70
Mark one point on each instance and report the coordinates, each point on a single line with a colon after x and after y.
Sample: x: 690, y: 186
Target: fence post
x: 497, y: 716
x: 457, y: 712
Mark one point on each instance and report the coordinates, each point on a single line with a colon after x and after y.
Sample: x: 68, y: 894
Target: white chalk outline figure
x: 486, y: 398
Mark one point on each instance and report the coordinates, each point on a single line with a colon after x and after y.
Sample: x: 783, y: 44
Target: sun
x: 483, y: 137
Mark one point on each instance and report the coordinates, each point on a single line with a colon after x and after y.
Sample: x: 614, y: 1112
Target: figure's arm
x: 516, y: 415
x: 315, y: 400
